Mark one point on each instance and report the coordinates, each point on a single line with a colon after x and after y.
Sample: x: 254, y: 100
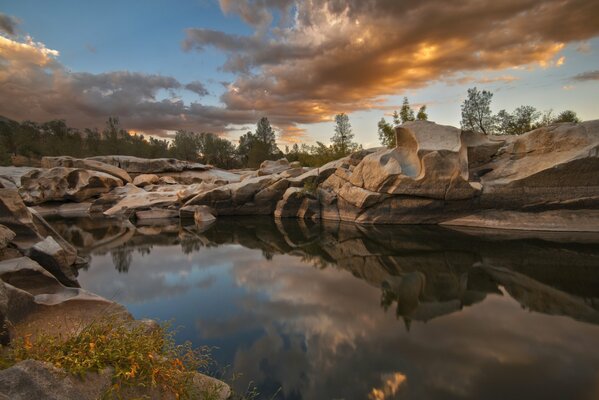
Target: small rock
x: 145, y: 180
x: 57, y: 260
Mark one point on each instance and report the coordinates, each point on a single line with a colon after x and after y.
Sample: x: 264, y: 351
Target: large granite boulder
x: 269, y: 167
x: 430, y: 160
x: 38, y: 302
x: 60, y: 184
x: 10, y: 177
x: 252, y: 196
x: 136, y: 165
x: 214, y: 176
x: 299, y: 203
x: 34, y: 236
x: 32, y: 379
x: 143, y: 200
x: 92, y: 165
x: 58, y: 260
x: 554, y: 165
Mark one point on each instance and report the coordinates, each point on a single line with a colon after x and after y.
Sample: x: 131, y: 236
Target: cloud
x: 304, y: 62
x: 8, y: 24
x: 587, y: 76
x: 34, y: 85
x: 197, y: 87
x: 349, y: 55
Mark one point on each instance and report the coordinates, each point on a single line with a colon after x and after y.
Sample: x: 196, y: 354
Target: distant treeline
x: 55, y: 138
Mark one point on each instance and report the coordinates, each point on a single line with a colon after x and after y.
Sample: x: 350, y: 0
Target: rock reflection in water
x: 313, y: 331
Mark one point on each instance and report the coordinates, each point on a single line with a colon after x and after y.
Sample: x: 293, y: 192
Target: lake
x: 305, y: 310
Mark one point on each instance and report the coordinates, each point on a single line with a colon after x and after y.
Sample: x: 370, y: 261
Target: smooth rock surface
x: 60, y: 184
x: 554, y: 220
x: 93, y: 165
x: 146, y: 179
x: 137, y: 165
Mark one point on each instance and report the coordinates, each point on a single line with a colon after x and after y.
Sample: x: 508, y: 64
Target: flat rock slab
x: 555, y: 220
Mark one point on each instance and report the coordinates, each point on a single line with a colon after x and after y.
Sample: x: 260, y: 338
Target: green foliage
x: 406, y: 113
x: 522, y: 120
x: 386, y: 134
x: 567, y: 116
x: 258, y: 146
x: 396, y: 119
x: 342, y: 140
x: 138, y: 356
x: 422, y: 115
x: 476, y: 112
x: 185, y: 146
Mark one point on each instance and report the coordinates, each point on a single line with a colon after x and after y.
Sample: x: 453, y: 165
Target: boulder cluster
x: 435, y: 175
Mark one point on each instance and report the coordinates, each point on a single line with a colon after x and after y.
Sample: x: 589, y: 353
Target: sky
x: 219, y: 66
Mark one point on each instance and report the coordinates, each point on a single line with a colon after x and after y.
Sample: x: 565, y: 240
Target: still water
x: 339, y: 311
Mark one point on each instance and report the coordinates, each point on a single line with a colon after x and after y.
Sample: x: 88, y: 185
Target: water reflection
x: 313, y: 309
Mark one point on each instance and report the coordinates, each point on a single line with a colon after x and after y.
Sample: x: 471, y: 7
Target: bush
x: 138, y: 356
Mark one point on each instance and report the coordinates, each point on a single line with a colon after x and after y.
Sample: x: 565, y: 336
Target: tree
x: 396, y: 119
x: 266, y: 135
x: 406, y: 113
x: 567, y: 116
x: 185, y: 146
x: 422, y: 115
x: 476, y: 112
x: 386, y: 134
x: 342, y: 139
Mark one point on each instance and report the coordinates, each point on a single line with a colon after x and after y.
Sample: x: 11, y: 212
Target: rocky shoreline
x: 436, y: 175
x: 544, y: 180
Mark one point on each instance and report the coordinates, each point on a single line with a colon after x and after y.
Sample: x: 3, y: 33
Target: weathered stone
x: 56, y: 259
x: 214, y: 176
x: 32, y: 379
x: 429, y: 161
x: 193, y: 190
x: 60, y: 184
x: 203, y: 215
x: 554, y: 164
x: 38, y: 302
x: 11, y: 176
x: 29, y: 227
x: 7, y: 183
x: 65, y: 210
x: 167, y: 180
x: 554, y: 220
x: 6, y: 236
x: 145, y: 180
x: 89, y: 164
x: 297, y: 202
x: 142, y: 200
x: 155, y: 213
x: 269, y: 167
x: 136, y: 165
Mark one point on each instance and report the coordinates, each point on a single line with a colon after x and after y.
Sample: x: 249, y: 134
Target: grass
x: 138, y: 356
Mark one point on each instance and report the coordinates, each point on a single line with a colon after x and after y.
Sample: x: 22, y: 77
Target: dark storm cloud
x: 198, y: 88
x: 8, y: 24
x: 587, y: 76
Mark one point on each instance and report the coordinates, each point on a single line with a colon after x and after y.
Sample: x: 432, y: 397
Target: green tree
x: 266, y: 135
x: 567, y: 116
x: 476, y: 112
x: 422, y: 115
x: 343, y: 138
x: 396, y: 119
x: 185, y: 145
x: 406, y: 113
x: 386, y: 133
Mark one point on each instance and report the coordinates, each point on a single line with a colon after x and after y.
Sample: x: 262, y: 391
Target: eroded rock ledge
x: 436, y: 174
